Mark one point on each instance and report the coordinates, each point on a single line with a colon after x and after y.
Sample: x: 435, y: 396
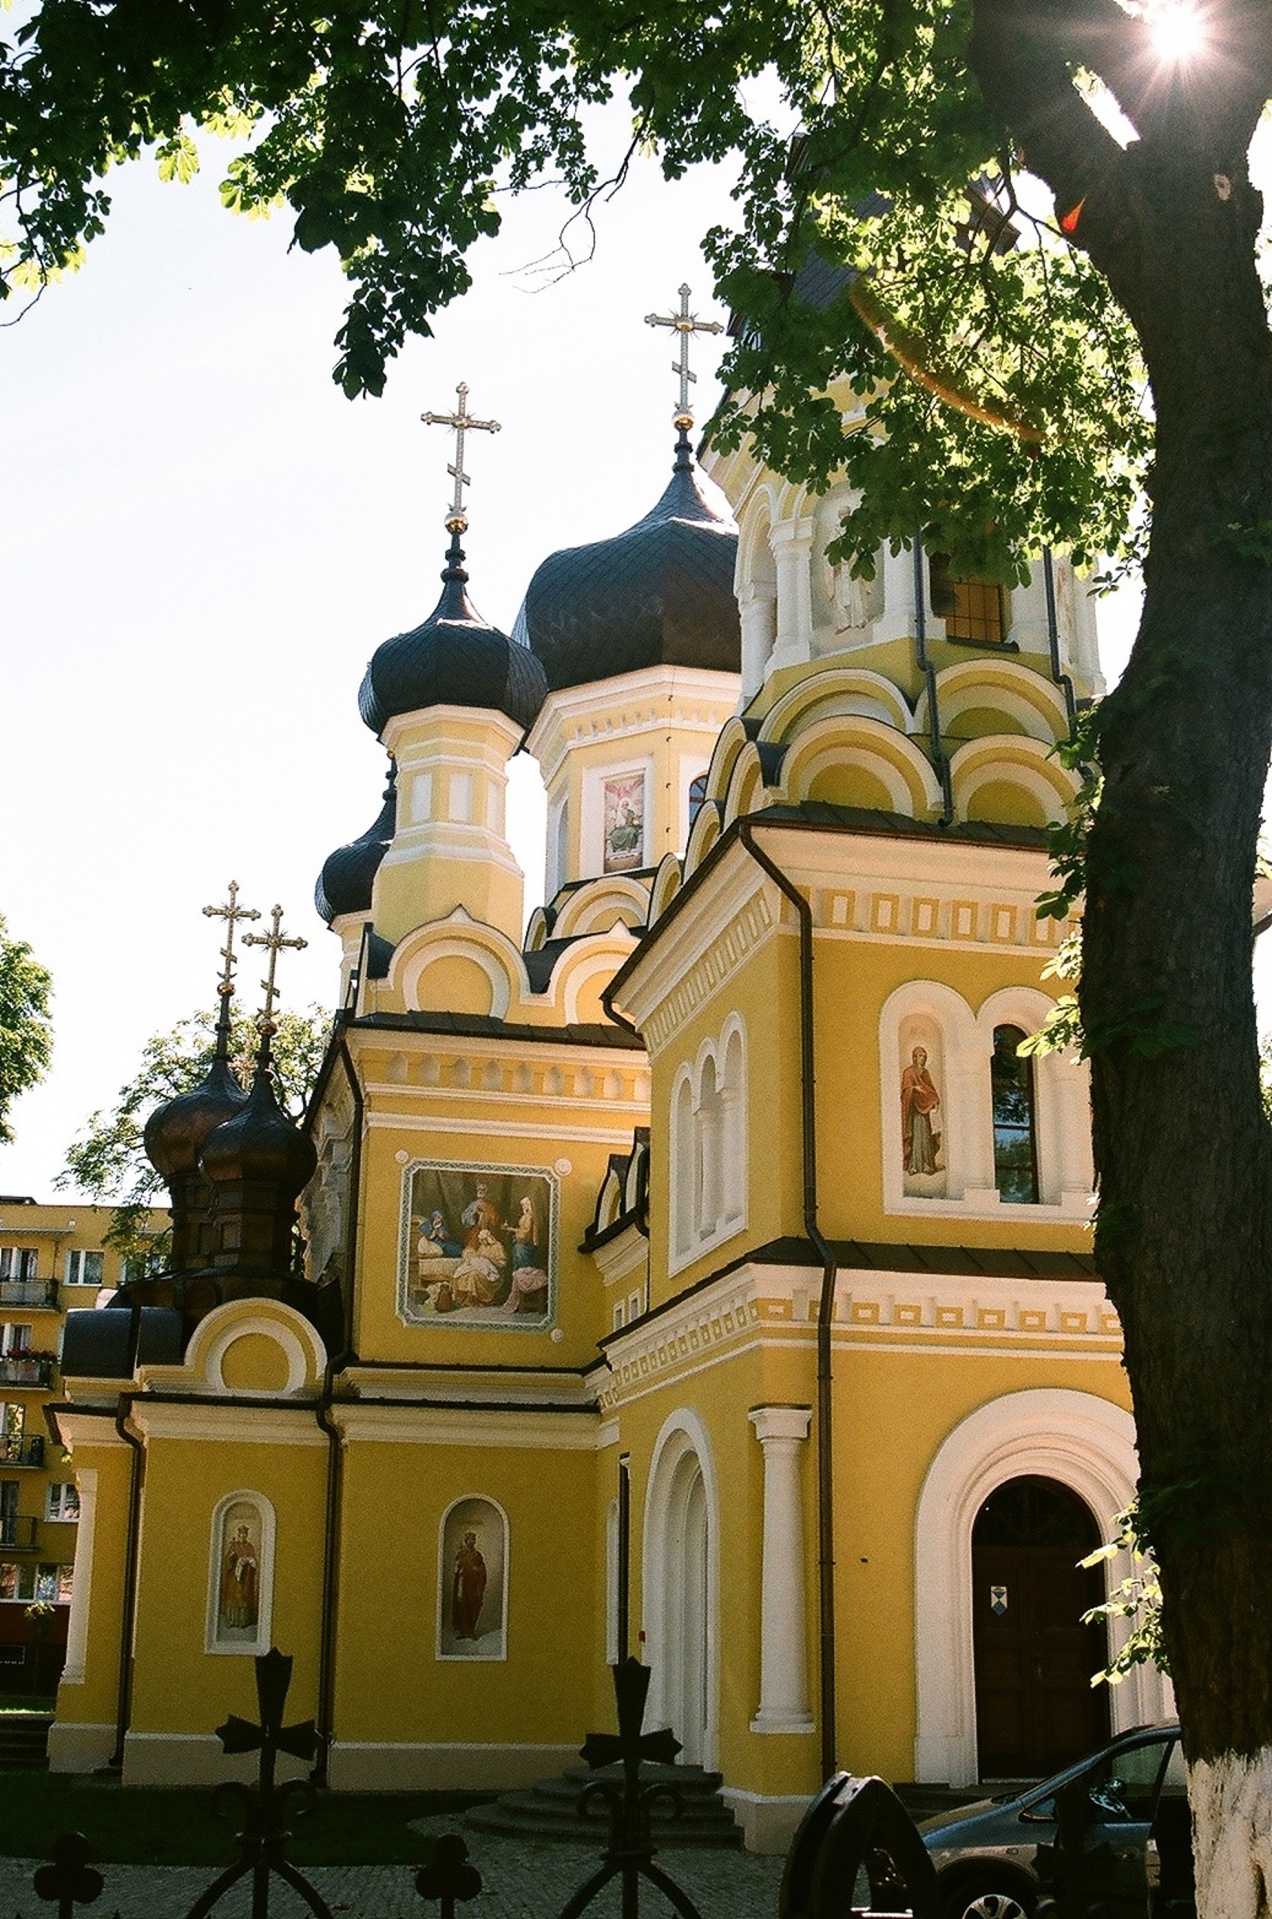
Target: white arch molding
x: 1085, y: 1442
x: 681, y: 1584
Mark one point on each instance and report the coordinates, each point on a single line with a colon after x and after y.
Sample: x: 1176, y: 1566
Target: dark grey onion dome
x: 174, y: 1138
x: 348, y: 874
x: 454, y: 659
x: 256, y: 1164
x: 660, y: 594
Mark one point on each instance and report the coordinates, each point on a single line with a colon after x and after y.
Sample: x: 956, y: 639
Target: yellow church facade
x: 700, y: 1272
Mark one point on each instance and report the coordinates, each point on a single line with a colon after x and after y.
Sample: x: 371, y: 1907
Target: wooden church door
x: 1036, y: 1709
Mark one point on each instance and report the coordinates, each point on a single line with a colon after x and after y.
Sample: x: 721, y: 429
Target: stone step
x: 24, y: 1741
x: 549, y: 1810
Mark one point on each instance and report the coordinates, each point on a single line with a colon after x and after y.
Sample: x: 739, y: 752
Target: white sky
x: 203, y: 542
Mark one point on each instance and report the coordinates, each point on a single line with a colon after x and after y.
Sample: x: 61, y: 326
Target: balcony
x: 27, y: 1369
x: 40, y: 1293
x: 18, y: 1450
x: 19, y: 1534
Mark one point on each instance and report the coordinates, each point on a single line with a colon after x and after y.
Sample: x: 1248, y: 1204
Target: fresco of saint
x: 920, y: 1142
x: 238, y: 1612
x: 624, y: 823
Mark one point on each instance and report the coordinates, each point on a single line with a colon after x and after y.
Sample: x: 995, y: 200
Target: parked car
x: 985, y: 1854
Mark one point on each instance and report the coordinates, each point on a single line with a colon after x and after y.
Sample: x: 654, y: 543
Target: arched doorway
x: 685, y: 1697
x: 1036, y: 1709
x: 681, y: 1601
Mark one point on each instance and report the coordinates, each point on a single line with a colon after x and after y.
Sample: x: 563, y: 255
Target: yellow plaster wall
x: 253, y: 1363
x: 185, y: 1480
x: 581, y: 1308
x: 390, y: 1684
x: 93, y: 1702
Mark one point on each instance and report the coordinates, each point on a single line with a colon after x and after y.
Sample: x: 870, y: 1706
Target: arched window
x: 710, y: 1130
x: 697, y: 797
x: 684, y: 1153
x: 1015, y: 1139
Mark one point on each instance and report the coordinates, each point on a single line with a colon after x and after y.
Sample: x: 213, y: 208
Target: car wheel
x: 971, y: 1901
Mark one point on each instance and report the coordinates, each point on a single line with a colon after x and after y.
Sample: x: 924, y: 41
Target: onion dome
x: 174, y: 1139
x: 256, y: 1163
x: 660, y: 594
x: 453, y: 659
x: 348, y: 874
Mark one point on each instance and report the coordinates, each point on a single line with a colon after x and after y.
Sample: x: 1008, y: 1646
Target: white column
x: 82, y: 1579
x: 792, y: 546
x: 757, y: 606
x: 781, y: 1431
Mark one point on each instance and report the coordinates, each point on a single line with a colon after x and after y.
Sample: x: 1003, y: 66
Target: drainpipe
x: 825, y: 1304
x: 1061, y: 679
x: 939, y: 757
x: 335, y: 1452
x: 123, y: 1707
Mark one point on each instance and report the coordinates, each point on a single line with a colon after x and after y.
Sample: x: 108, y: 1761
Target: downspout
x: 335, y: 1453
x: 825, y: 1304
x: 1061, y: 679
x: 123, y: 1707
x: 940, y: 759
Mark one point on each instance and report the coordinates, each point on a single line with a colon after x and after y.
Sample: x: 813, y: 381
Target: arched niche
x: 472, y: 1580
x: 681, y: 1586
x: 240, y: 1575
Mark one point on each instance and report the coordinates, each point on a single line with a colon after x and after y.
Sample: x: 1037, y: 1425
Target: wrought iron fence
x: 26, y: 1369
x: 28, y: 1292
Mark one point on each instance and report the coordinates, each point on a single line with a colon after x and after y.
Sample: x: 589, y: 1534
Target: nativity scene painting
x: 472, y: 1600
x: 478, y: 1246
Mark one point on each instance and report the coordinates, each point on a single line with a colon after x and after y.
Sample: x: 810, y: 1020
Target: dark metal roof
x: 453, y: 659
x: 348, y: 874
x: 660, y: 594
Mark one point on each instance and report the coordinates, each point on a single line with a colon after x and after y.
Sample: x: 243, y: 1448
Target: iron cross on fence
x: 231, y: 912
x: 686, y: 324
x: 460, y: 422
x: 275, y: 941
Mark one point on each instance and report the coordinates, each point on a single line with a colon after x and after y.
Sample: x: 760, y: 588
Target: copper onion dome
x: 174, y: 1138
x: 256, y: 1164
x: 453, y: 659
x: 660, y: 594
x: 348, y: 874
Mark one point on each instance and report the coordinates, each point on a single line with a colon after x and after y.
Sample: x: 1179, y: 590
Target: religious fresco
x: 473, y: 1590
x: 238, y: 1572
x: 624, y: 823
x: 478, y: 1246
x: 923, y: 1158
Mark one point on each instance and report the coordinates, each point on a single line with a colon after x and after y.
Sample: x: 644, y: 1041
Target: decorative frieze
x: 709, y: 972
x: 896, y: 915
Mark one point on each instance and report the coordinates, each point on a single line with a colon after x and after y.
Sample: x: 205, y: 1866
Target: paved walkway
x: 522, y: 1881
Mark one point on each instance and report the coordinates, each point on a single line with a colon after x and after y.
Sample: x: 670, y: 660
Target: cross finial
x: 460, y: 422
x: 231, y: 913
x: 275, y: 941
x: 686, y: 324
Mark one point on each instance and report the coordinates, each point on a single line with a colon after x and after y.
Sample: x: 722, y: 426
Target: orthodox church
x: 699, y: 1271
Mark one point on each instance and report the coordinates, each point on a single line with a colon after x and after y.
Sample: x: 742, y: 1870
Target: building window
x: 62, y: 1501
x: 23, y: 1583
x: 84, y: 1268
x: 18, y: 1262
x: 973, y: 610
x: 697, y: 797
x: 708, y: 1147
x: 1015, y: 1144
x: 14, y: 1339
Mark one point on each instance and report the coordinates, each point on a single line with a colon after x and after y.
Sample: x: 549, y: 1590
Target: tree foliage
x: 1136, y: 1598
x: 26, y: 1028
x: 391, y: 128
x: 108, y: 1160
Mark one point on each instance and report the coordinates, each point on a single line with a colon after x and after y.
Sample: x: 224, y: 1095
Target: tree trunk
x: 1183, y: 1151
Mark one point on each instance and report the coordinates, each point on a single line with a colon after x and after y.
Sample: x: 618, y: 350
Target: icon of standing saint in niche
x: 920, y: 1141
x: 238, y: 1611
x: 468, y: 1589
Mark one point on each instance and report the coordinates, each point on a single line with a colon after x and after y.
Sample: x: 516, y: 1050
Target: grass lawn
x: 175, y: 1826
x: 27, y: 1702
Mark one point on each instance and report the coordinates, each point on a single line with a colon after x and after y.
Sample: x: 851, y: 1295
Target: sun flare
x: 1176, y: 30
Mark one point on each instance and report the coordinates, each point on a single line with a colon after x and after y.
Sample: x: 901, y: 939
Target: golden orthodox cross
x: 686, y: 324
x: 275, y: 941
x: 231, y: 913
x: 460, y: 422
